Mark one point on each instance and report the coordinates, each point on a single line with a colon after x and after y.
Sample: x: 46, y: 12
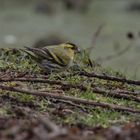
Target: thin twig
x: 115, y: 94
x: 128, y: 92
x: 68, y: 98
x: 111, y: 78
x: 65, y: 85
x: 82, y: 73
x: 95, y: 36
x: 110, y: 93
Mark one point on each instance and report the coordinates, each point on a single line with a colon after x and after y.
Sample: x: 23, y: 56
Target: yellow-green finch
x: 55, y: 57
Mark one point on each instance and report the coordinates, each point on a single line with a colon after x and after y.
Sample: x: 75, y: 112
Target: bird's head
x: 72, y: 46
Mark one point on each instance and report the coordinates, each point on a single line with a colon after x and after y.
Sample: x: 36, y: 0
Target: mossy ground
x: 13, y: 62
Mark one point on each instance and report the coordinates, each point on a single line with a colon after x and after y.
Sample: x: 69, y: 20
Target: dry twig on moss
x: 66, y: 86
x: 68, y: 98
x: 111, y: 78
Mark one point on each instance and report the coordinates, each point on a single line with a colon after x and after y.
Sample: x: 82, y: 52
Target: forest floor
x: 86, y: 102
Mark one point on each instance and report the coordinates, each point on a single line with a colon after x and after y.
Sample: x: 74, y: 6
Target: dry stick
x: 106, y: 77
x: 116, y: 94
x: 82, y: 73
x: 111, y: 78
x: 36, y: 80
x: 111, y: 93
x: 119, y: 91
x: 128, y: 92
x: 68, y: 98
x: 95, y: 36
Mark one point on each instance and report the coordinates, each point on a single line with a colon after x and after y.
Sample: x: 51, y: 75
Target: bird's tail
x: 29, y: 51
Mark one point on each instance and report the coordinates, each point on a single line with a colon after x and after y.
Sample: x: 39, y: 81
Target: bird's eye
x: 74, y: 47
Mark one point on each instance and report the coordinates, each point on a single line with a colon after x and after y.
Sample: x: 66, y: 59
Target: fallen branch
x: 68, y: 98
x: 115, y: 94
x: 118, y: 90
x: 81, y: 87
x: 128, y: 92
x: 110, y: 93
x: 82, y: 73
x: 65, y: 85
x: 111, y: 78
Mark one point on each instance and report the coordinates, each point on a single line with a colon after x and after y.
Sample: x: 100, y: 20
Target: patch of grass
x: 15, y: 61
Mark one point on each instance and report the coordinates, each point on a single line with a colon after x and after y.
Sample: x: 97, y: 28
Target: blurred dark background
x: 40, y: 22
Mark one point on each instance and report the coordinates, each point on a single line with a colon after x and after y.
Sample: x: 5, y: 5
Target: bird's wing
x: 36, y: 51
x: 58, y: 55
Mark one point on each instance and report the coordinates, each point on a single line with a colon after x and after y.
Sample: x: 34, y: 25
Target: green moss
x: 17, y: 61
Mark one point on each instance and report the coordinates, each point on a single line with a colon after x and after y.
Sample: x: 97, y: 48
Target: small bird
x: 53, y: 58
